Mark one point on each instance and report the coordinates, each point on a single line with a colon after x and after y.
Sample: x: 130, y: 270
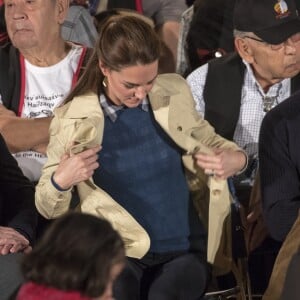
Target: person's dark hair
x: 76, y: 253
x: 3, y: 31
x: 102, y: 16
x: 211, y: 29
x: 2, y: 19
x: 123, y: 41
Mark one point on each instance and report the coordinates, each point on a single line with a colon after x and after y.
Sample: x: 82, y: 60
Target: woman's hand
x: 76, y: 168
x: 223, y: 163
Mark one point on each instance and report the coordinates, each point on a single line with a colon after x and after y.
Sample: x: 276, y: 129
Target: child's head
x: 78, y: 252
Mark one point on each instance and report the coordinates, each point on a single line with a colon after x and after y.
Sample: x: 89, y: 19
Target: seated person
x: 166, y: 16
x: 280, y: 185
x: 152, y: 139
x: 79, y: 27
x: 235, y: 92
x: 38, y: 69
x: 18, y: 218
x: 280, y: 167
x: 17, y: 210
x: 78, y: 258
x: 210, y: 33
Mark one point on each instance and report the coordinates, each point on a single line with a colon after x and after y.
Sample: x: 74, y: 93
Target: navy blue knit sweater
x: 141, y: 168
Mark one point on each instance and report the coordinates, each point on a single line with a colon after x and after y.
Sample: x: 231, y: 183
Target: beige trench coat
x: 81, y: 121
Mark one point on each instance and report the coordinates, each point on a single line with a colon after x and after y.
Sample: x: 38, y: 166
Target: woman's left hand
x: 222, y: 164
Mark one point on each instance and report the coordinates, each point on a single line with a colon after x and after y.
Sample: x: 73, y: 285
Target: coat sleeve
x: 73, y: 134
x: 185, y: 119
x: 50, y: 202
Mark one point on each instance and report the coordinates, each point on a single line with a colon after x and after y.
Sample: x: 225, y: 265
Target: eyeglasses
x: 294, y: 38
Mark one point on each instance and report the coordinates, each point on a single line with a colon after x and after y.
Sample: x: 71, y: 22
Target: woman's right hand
x: 75, y: 168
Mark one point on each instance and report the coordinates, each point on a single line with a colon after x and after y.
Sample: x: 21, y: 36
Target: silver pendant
x: 268, y: 103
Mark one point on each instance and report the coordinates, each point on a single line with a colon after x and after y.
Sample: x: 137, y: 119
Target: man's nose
x: 18, y: 11
x: 290, y: 46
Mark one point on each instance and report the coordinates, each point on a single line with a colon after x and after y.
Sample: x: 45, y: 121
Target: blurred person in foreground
x: 79, y: 258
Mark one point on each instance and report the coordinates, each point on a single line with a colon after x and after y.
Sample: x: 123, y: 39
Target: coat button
x: 179, y: 128
x: 216, y: 192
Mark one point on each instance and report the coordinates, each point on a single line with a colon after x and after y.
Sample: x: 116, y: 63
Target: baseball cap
x: 274, y: 21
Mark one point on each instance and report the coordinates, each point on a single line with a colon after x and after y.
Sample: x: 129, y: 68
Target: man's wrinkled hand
x: 11, y: 241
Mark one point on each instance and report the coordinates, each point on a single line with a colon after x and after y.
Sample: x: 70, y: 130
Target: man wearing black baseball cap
x: 274, y: 21
x: 236, y: 91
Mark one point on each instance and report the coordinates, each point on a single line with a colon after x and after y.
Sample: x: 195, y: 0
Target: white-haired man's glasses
x: 294, y: 39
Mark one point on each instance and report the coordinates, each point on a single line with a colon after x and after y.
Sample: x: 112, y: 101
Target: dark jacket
x: 127, y: 4
x: 291, y: 288
x: 17, y: 209
x: 211, y: 29
x: 279, y: 156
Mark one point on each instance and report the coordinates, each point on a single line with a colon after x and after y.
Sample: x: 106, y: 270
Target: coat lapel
x: 94, y: 200
x: 173, y: 119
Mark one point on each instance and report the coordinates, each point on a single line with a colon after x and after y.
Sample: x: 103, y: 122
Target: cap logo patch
x: 281, y: 9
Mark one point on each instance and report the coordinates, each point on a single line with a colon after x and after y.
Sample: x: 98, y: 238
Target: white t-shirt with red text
x: 45, y: 89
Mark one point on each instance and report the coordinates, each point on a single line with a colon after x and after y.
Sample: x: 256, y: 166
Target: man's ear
x: 62, y: 7
x: 244, y: 49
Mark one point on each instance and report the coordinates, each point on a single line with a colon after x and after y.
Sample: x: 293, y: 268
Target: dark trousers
x: 10, y: 274
x: 171, y: 276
